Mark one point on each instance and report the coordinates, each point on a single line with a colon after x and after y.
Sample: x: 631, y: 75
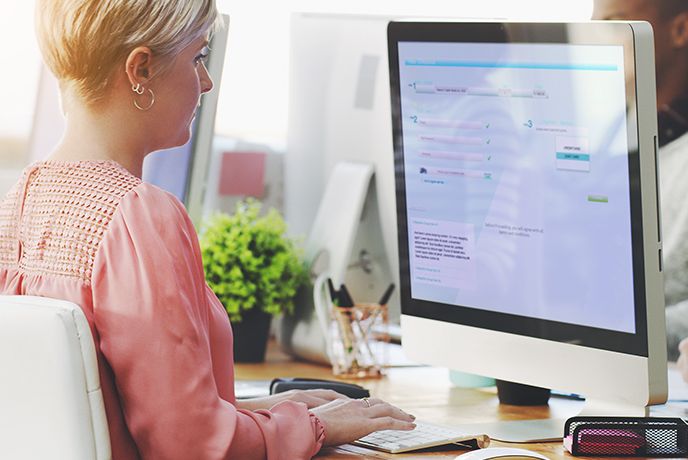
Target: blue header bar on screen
x: 512, y: 65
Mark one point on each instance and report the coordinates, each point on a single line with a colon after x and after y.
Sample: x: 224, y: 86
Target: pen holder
x: 357, y: 340
x: 626, y: 436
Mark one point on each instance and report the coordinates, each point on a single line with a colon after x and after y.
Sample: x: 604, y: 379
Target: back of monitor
x: 346, y: 245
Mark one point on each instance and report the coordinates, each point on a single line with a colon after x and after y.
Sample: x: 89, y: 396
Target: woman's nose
x: 206, y: 81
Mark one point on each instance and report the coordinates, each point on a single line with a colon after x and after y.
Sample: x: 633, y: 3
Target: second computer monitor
x: 527, y: 210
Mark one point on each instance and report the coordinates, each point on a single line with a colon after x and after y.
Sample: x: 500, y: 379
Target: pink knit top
x: 128, y: 254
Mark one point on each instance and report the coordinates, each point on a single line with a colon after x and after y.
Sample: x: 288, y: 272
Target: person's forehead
x: 627, y: 9
x: 197, y: 44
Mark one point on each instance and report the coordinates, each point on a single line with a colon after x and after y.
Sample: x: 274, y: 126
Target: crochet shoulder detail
x: 53, y: 220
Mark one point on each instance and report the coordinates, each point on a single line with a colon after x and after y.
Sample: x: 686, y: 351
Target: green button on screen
x: 598, y: 199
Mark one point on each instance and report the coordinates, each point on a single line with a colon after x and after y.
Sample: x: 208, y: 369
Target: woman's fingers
x: 349, y: 419
x: 315, y: 398
x: 325, y: 396
x: 380, y: 408
x: 369, y: 402
x: 383, y: 409
x: 329, y: 395
x: 392, y: 423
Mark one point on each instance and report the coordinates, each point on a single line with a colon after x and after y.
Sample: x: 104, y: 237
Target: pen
x: 388, y: 293
x: 333, y: 292
x: 345, y: 303
x: 345, y: 299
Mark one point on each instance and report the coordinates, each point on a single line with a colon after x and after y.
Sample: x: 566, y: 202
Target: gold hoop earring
x: 138, y: 89
x: 152, y: 101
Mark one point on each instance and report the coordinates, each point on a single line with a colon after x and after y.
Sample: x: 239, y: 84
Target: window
x: 253, y: 99
x: 18, y: 81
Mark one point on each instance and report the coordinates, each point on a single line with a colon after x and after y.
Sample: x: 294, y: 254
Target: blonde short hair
x: 84, y: 41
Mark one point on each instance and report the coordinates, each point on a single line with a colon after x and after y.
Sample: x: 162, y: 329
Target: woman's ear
x: 139, y: 66
x: 679, y: 30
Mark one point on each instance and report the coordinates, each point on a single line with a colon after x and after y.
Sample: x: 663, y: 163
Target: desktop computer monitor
x: 529, y: 239
x: 339, y: 120
x: 339, y: 112
x: 181, y: 171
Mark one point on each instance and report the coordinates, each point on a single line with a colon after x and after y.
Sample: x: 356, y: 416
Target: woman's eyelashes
x: 202, y: 56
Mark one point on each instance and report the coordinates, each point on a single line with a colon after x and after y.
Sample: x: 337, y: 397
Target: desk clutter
x: 626, y: 436
x: 356, y: 344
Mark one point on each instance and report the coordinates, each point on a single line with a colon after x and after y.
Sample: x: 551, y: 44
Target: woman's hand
x: 683, y: 359
x: 346, y: 420
x: 312, y: 398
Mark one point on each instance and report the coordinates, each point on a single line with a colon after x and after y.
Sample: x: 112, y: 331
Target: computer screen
x: 169, y: 169
x: 508, y: 209
x: 526, y: 198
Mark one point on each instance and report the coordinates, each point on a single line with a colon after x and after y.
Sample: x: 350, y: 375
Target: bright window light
x: 254, y: 90
x: 253, y: 100
x: 18, y: 80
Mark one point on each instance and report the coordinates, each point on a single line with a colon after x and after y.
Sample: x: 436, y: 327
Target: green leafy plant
x: 250, y: 262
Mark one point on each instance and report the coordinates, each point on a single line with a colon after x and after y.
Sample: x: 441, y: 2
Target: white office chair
x: 51, y: 404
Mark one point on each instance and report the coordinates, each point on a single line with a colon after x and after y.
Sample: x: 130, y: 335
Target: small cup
x: 357, y: 340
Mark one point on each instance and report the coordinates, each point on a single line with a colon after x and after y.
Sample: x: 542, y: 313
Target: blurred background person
x: 669, y: 20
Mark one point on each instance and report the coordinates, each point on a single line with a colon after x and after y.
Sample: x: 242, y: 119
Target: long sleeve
x: 673, y: 163
x: 154, y: 315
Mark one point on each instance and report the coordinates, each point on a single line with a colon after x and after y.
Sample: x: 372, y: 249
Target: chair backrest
x: 51, y: 403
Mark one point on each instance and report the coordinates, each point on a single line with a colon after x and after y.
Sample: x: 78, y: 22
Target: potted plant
x: 254, y: 269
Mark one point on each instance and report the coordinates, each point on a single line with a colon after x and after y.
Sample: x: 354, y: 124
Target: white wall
x: 253, y: 103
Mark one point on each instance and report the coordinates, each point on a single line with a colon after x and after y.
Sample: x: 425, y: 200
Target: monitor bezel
x: 471, y: 32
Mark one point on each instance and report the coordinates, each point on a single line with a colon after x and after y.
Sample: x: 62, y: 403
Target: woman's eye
x: 202, y: 56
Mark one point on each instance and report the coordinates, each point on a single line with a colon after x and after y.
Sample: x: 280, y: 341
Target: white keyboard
x: 425, y: 435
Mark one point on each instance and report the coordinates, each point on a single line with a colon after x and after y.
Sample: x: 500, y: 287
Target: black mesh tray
x: 626, y: 436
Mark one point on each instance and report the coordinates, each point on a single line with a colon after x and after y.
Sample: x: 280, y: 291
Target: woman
x: 82, y: 226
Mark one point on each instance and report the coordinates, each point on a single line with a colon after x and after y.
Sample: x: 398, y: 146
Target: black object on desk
x: 626, y: 436
x: 344, y: 299
x: 348, y: 389
x: 388, y: 293
x: 519, y: 394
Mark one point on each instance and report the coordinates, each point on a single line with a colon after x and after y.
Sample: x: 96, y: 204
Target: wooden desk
x: 426, y: 393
